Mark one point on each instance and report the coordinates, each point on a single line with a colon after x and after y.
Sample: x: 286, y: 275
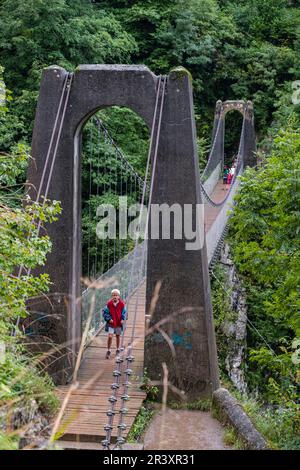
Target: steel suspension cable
x: 119, y: 154
x: 121, y: 193
x: 52, y: 138
x: 90, y: 209
x: 57, y: 141
x: 212, y: 150
x: 97, y: 195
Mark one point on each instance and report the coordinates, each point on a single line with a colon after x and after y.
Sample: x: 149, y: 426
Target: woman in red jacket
x: 114, y: 314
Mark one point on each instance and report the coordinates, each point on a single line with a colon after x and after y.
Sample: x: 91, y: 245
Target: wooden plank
x: 92, y: 429
x: 103, y: 389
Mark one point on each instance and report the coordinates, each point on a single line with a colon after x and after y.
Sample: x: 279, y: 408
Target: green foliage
x: 100, y: 166
x: 151, y: 390
x: 265, y: 238
x: 140, y: 424
x: 279, y: 425
x: 21, y: 382
x: 280, y: 374
x: 221, y: 310
x: 231, y: 438
x: 20, y: 245
x: 197, y: 405
x: 220, y: 298
x: 23, y: 387
x: 10, y: 126
x: 130, y: 133
x: 233, y: 49
x: 9, y: 442
x: 37, y: 33
x: 269, y: 20
x: 265, y: 241
x: 265, y: 226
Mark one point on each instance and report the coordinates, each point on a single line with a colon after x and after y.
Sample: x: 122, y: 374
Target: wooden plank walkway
x: 85, y: 415
x: 211, y: 212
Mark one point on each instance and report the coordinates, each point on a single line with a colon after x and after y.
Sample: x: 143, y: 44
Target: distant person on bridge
x: 231, y: 173
x: 225, y: 174
x: 233, y: 170
x: 229, y: 177
x: 114, y: 314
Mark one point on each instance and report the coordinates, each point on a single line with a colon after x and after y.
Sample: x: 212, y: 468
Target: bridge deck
x: 210, y: 212
x: 85, y: 414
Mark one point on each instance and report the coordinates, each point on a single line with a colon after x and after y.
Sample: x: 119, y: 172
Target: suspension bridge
x: 166, y: 286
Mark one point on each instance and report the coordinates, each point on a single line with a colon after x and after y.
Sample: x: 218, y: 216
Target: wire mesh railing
x: 127, y: 274
x: 214, y: 157
x: 214, y: 233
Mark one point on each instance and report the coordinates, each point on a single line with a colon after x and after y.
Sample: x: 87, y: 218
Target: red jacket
x: 115, y: 312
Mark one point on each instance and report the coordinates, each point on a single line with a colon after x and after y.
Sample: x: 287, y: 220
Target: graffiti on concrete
x: 184, y: 340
